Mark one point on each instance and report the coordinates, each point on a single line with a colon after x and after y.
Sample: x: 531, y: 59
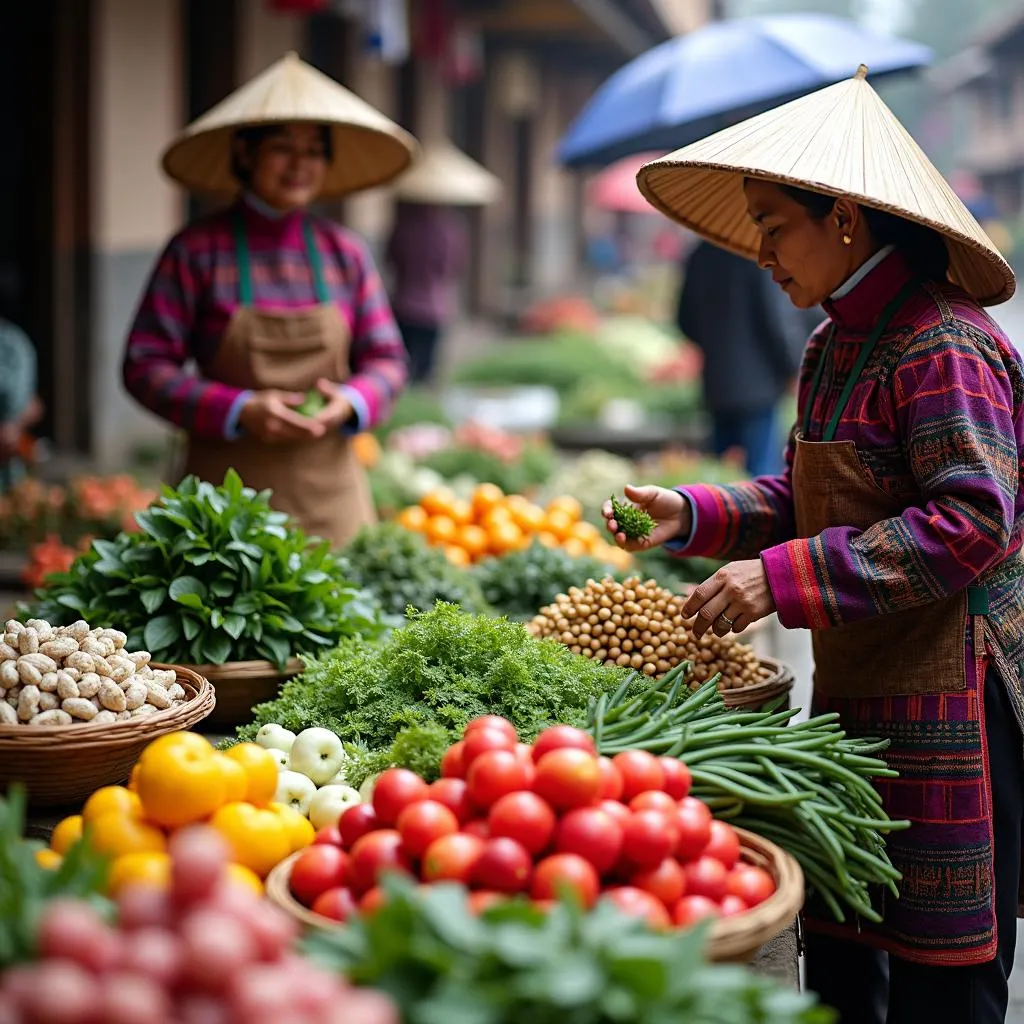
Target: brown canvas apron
x: 903, y: 676
x: 320, y: 482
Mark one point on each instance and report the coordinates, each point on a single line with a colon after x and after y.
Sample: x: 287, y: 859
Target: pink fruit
x: 63, y: 992
x: 259, y: 990
x: 142, y: 906
x: 154, y: 953
x: 202, y: 1010
x: 72, y: 930
x: 216, y: 946
x: 198, y: 856
x: 129, y: 998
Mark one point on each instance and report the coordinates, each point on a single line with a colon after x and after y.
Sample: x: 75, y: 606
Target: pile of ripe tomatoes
x: 544, y: 820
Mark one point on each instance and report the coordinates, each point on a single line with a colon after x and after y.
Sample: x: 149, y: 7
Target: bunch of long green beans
x: 806, y: 787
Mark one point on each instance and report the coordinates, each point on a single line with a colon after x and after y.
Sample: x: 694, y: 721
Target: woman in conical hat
x: 895, y: 534
x: 282, y: 312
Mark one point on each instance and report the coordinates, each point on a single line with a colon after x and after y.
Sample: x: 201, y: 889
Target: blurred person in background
x: 20, y: 407
x: 752, y: 339
x: 428, y: 250
x: 282, y: 312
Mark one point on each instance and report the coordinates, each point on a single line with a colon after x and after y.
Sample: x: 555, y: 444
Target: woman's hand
x: 338, y: 409
x: 669, y: 510
x: 739, y: 591
x: 270, y: 417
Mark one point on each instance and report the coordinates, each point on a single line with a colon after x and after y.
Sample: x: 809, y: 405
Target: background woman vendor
x: 271, y: 302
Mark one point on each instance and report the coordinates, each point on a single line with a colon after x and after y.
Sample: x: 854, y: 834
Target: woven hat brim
x: 801, y: 144
x: 446, y: 176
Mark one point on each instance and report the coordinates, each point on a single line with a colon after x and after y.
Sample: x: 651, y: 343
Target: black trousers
x: 421, y: 343
x: 867, y: 986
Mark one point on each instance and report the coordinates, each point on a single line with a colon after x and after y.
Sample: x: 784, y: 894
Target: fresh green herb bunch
x: 401, y: 570
x: 26, y: 886
x: 515, y: 962
x: 213, y: 574
x: 634, y: 522
x: 442, y: 668
x: 521, y: 582
x: 313, y: 403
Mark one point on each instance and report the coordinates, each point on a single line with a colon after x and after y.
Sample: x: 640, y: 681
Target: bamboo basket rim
x: 231, y: 671
x: 83, y: 735
x: 780, y: 681
x: 731, y: 938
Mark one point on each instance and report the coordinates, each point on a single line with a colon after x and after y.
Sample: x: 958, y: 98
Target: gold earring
x: 847, y: 240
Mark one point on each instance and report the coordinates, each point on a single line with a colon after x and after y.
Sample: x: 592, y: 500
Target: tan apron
x: 903, y: 676
x: 319, y: 482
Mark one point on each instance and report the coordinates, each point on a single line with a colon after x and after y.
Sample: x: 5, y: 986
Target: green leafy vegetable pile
x: 522, y: 582
x: 405, y: 700
x: 514, y: 963
x: 534, y: 466
x: 212, y: 575
x: 401, y: 570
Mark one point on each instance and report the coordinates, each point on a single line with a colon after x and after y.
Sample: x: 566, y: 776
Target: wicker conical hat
x: 841, y: 140
x: 369, y: 149
x: 445, y: 176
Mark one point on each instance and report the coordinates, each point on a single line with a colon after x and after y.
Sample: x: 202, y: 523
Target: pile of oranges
x: 491, y: 522
x: 181, y: 780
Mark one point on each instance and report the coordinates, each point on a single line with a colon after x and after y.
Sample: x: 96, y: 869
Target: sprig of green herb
x: 634, y: 522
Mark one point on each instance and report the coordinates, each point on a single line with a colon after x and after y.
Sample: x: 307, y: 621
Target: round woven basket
x: 737, y: 939
x: 62, y: 764
x: 777, y: 684
x: 732, y: 940
x: 241, y: 685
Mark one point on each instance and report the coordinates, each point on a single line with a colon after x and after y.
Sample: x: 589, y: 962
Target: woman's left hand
x: 338, y: 409
x: 739, y: 591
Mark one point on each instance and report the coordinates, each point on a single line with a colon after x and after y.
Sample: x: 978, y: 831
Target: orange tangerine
x: 111, y: 798
x: 529, y: 517
x: 236, y: 782
x: 49, y: 859
x: 66, y: 834
x: 300, y: 829
x: 133, y: 778
x: 474, y: 539
x: 461, y: 511
x: 144, y: 868
x: 438, y: 502
x: 505, y: 537
x: 414, y: 518
x: 568, y: 504
x: 586, y: 532
x: 260, y: 769
x: 547, y: 538
x: 457, y: 555
x: 497, y: 514
x: 116, y: 833
x: 485, y: 497
x: 441, y: 529
x: 574, y: 547
x: 560, y: 523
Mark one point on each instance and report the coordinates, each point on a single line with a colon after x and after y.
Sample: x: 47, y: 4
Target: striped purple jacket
x: 193, y: 293
x: 938, y: 419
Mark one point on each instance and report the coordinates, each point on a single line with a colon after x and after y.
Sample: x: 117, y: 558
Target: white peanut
x: 176, y: 692
x: 28, y: 673
x: 9, y: 675
x: 50, y: 681
x: 79, y: 707
x: 40, y: 661
x: 8, y: 716
x: 7, y: 652
x: 82, y: 661
x: 48, y: 701
x: 59, y: 649
x: 96, y: 646
x: 104, y: 717
x: 111, y: 696
x: 43, y: 629
x: 89, y: 685
x: 146, y: 709
x: 121, y: 669
x: 28, y: 703
x: 55, y: 717
x: 165, y: 676
x: 139, y: 658
x: 13, y: 694
x: 135, y: 695
x: 116, y: 637
x: 14, y: 626
x: 28, y: 641
x: 67, y: 688
x: 157, y: 696
x: 78, y: 630
x: 101, y: 667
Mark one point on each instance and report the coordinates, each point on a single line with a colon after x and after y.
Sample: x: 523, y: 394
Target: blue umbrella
x: 695, y: 84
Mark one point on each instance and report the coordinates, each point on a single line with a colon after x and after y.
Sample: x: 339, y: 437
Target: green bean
x: 602, y: 706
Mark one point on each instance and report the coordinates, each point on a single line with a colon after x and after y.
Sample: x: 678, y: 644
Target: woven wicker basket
x: 241, y: 685
x: 733, y: 939
x: 61, y: 765
x: 778, y: 683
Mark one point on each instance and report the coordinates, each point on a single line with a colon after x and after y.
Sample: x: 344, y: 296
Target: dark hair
x: 253, y: 136
x: 923, y: 248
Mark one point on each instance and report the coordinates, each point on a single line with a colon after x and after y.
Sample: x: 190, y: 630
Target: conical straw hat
x: 445, y: 176
x: 841, y: 140
x: 369, y: 149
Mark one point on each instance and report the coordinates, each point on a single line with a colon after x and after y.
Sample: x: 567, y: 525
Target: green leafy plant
x: 401, y: 570
x: 533, y: 468
x: 213, y: 574
x: 515, y: 963
x: 26, y: 886
x: 633, y: 521
x: 443, y: 667
x: 520, y: 583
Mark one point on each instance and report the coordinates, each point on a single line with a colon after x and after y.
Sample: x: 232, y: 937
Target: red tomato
x: 482, y: 900
x: 503, y: 866
x: 732, y: 905
x: 565, y: 873
x: 593, y: 834
x: 708, y: 877
x: 395, y: 790
x: 611, y: 779
x: 677, y: 777
x: 724, y: 844
x: 477, y: 827
x: 317, y: 869
x: 694, y: 820
x: 638, y: 903
x: 691, y: 909
x: 654, y: 800
x: 421, y: 823
x: 492, y: 722
x: 666, y: 880
x: 620, y: 812
x: 525, y: 818
x: 454, y: 794
x: 640, y: 771
x: 558, y: 737
x: 452, y: 858
x: 356, y: 822
x: 568, y: 778
x: 373, y: 855
x: 524, y: 752
x: 648, y: 838
x: 480, y: 741
x: 496, y: 773
x: 751, y: 884
x: 329, y: 834
x: 451, y: 763
x: 338, y: 904
x: 372, y: 901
